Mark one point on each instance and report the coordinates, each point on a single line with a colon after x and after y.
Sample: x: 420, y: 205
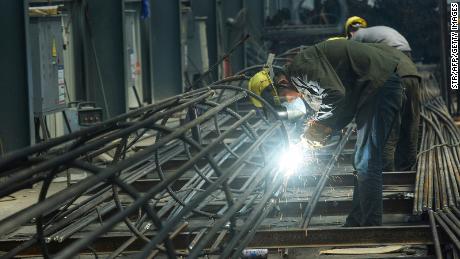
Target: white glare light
x: 291, y: 159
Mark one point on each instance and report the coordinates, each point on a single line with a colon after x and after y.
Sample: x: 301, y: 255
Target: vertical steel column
x: 165, y: 51
x: 256, y: 12
x: 78, y: 20
x: 232, y: 32
x: 145, y: 66
x: 16, y: 118
x: 207, y: 8
x: 105, y: 52
x: 256, y: 15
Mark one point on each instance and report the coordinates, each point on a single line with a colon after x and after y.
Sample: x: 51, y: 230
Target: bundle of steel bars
x: 188, y: 151
x: 438, y: 165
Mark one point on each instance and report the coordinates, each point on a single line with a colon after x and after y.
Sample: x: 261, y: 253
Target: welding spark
x: 294, y: 158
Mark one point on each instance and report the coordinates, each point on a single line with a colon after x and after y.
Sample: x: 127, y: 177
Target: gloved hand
x: 316, y: 133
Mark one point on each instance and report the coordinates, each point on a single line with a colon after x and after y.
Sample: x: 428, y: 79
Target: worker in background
x: 342, y: 80
x: 401, y: 150
x: 356, y: 29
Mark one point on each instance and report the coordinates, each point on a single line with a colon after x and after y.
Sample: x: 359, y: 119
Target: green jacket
x: 343, y: 74
x: 405, y: 67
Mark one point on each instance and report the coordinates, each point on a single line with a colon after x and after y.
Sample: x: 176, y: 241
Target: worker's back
x: 382, y: 34
x: 406, y: 66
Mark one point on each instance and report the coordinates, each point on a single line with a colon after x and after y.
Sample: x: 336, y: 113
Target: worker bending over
x: 343, y: 80
x: 401, y: 150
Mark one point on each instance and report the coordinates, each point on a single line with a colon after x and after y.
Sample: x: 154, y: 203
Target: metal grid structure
x: 199, y: 132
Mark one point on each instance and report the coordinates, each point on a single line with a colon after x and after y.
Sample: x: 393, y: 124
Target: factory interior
x: 229, y: 129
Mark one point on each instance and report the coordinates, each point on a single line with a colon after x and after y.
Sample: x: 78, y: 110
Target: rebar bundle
x: 438, y: 161
x: 202, y: 133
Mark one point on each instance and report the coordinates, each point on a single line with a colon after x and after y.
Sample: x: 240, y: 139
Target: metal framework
x: 201, y: 132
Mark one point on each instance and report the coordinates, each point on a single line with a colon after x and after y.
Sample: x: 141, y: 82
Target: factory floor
x: 26, y: 197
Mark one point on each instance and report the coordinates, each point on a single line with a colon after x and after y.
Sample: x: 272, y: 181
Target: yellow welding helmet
x: 355, y: 21
x: 262, y: 85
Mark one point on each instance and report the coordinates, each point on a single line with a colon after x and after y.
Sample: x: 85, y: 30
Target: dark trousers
x: 400, y: 151
x: 374, y: 123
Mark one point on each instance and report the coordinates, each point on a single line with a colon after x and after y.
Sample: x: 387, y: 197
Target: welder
x: 342, y: 80
x: 401, y: 149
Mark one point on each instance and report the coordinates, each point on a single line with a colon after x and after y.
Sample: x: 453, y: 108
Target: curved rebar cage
x: 191, y: 175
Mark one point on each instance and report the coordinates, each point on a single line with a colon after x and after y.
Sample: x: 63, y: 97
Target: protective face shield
x: 295, y: 109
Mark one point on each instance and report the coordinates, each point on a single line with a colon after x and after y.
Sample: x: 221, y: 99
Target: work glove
x: 316, y: 133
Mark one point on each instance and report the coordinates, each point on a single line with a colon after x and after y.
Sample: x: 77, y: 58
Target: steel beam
x: 360, y: 236
x: 79, y: 53
x: 165, y: 50
x: 104, y: 49
x: 293, y: 238
x: 207, y: 8
x: 15, y: 96
x: 231, y: 33
x: 336, y: 180
x: 340, y: 207
x: 145, y: 50
x: 256, y: 12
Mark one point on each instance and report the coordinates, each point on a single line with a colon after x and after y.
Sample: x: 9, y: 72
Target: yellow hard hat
x: 336, y: 38
x: 353, y: 20
x: 258, y: 84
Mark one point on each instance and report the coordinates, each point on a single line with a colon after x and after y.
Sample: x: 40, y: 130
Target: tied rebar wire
x: 187, y: 151
x: 438, y: 161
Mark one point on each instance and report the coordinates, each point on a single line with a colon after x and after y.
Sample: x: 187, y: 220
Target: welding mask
x: 295, y: 109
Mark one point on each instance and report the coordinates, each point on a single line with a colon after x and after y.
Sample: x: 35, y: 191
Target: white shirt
x: 382, y: 34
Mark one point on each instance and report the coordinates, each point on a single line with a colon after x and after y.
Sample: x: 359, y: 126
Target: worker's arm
x: 329, y: 118
x: 331, y: 111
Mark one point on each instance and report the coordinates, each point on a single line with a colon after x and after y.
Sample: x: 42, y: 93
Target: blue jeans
x: 374, y: 123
